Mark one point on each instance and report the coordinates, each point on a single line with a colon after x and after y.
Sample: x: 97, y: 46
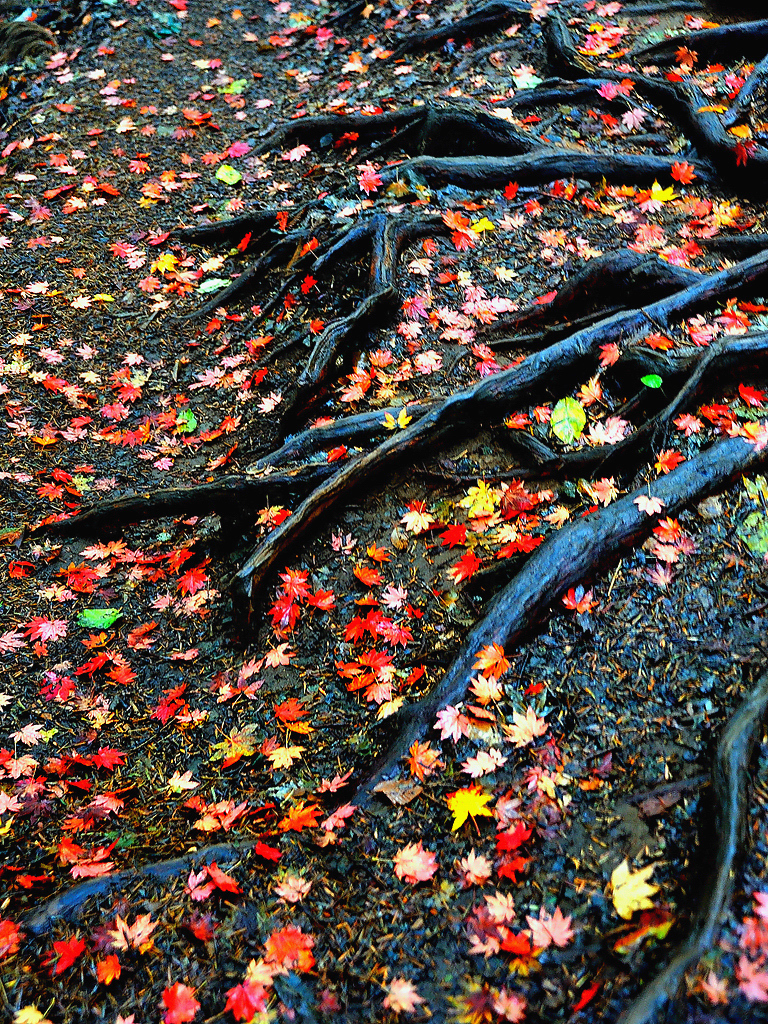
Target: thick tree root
x: 640, y: 277
x: 741, y: 39
x: 570, y: 556
x: 466, y: 411
x: 70, y: 903
x: 535, y: 168
x: 487, y: 18
x: 684, y: 102
x: 730, y: 782
x: 226, y: 495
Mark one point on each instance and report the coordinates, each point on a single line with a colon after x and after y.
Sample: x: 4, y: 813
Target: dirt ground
x: 182, y: 752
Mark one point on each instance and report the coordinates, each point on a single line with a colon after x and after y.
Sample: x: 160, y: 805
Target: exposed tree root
x: 487, y: 18
x: 639, y: 277
x: 464, y: 412
x: 744, y: 168
x: 575, y: 553
x: 730, y: 784
x: 70, y: 903
x: 741, y: 39
x: 225, y: 495
x: 535, y: 168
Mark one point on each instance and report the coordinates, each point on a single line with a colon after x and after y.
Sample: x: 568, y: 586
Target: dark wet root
x: 573, y: 555
x: 730, y: 785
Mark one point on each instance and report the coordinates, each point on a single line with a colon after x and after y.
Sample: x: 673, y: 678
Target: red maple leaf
x: 290, y: 710
x: 683, y: 172
x: 668, y: 460
x: 322, y: 599
x: 246, y: 1000
x: 222, y: 880
x: 290, y: 947
x: 466, y: 566
x: 751, y: 396
x: 180, y: 1002
x: 455, y: 534
x: 368, y: 577
x: 65, y: 953
x: 193, y: 580
x: 511, y: 840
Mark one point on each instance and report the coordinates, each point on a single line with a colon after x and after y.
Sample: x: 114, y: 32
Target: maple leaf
x: 280, y: 655
x: 465, y: 802
x: 753, y: 982
x: 631, y: 890
x: 178, y: 783
x: 491, y: 660
x: 108, y: 969
x: 550, y: 929
x: 246, y: 1000
x: 715, y: 989
x: 417, y: 519
x: 423, y: 760
x: 484, y: 762
x: 45, y: 629
x: 667, y: 460
x: 525, y: 728
x: 368, y: 179
x: 296, y: 154
x: 415, y: 864
x: 466, y: 566
x: 683, y: 172
x: 751, y: 396
x: 283, y: 757
x: 476, y: 868
x: 290, y: 947
x: 180, y: 1003
x: 402, y: 996
x: 10, y: 938
x: 66, y: 952
x: 292, y: 889
x: 649, y: 504
x: 221, y: 879
x: 239, y: 743
x: 579, y: 600
x: 368, y: 576
x: 136, y: 936
x: 299, y: 817
x: 452, y: 723
x: 193, y: 580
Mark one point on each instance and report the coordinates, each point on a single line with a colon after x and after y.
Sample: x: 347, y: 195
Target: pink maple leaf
x: 548, y: 929
x: 415, y: 864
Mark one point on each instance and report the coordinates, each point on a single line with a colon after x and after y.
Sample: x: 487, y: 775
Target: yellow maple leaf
x: 402, y: 421
x: 662, y: 195
x: 465, y: 802
x: 29, y: 1015
x: 164, y: 263
x: 741, y: 131
x: 480, y: 501
x: 283, y: 757
x: 483, y: 225
x: 631, y: 890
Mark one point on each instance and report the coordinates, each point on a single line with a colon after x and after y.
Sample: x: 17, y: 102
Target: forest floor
x: 183, y: 751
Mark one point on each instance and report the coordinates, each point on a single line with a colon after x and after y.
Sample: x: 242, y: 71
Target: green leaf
x: 651, y: 380
x: 228, y: 174
x: 568, y: 419
x: 213, y: 284
x: 99, y: 618
x: 235, y: 88
x: 185, y: 421
x: 754, y: 533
